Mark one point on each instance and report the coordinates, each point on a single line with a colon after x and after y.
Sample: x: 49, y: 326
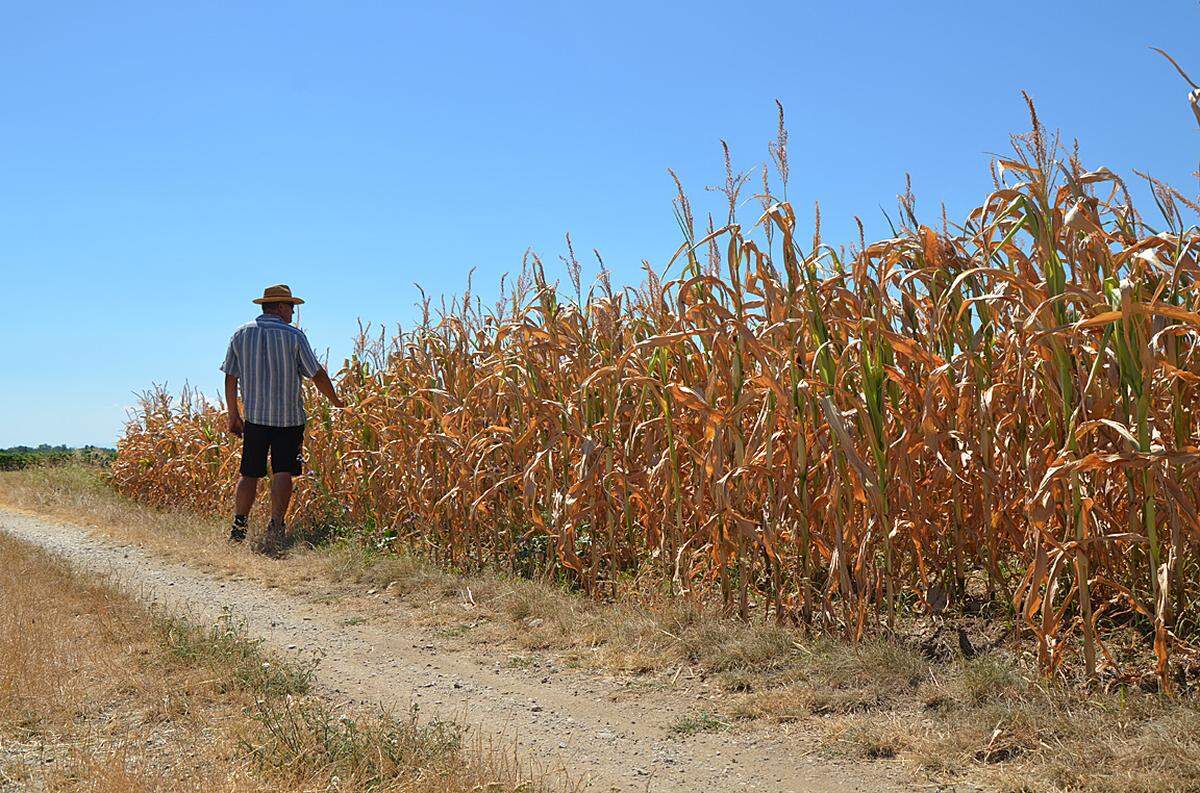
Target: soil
x: 605, y: 733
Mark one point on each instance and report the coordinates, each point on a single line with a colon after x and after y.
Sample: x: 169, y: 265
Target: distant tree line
x: 14, y: 458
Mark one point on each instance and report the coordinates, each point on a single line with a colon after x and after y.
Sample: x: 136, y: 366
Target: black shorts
x: 286, y: 445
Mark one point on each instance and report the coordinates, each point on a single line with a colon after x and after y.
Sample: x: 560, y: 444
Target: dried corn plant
x: 835, y: 438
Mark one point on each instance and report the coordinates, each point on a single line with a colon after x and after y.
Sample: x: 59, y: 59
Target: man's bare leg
x: 247, y: 489
x: 243, y: 500
x: 281, y: 496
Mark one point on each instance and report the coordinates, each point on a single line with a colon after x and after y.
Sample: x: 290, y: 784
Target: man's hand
x: 235, y: 424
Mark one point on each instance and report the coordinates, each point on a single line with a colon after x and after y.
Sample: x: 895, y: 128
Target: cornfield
x: 839, y: 438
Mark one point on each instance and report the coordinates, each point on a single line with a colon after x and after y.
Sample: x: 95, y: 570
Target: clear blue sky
x: 161, y: 162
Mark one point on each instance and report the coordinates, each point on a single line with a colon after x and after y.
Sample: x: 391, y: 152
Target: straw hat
x: 280, y: 293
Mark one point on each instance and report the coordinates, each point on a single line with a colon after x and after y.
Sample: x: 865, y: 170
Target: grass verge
x: 100, y: 693
x: 988, y: 719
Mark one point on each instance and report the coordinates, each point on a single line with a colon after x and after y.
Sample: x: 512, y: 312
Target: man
x: 268, y: 357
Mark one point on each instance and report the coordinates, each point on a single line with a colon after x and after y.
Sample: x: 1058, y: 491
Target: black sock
x: 239, y: 521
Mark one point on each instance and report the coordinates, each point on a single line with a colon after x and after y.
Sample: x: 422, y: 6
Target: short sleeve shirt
x: 268, y: 357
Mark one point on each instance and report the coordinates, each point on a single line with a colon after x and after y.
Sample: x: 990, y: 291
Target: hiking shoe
x: 237, y: 532
x: 270, y: 542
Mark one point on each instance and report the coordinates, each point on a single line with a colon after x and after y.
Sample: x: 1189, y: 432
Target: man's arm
x: 311, y: 367
x: 231, y: 401
x: 325, y: 386
x: 232, y: 369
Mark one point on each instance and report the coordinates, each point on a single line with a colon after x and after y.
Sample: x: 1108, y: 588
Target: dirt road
x: 613, y: 736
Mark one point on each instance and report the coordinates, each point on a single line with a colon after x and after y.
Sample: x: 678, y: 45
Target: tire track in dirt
x: 591, y: 728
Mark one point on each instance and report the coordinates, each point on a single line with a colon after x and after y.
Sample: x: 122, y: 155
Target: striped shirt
x: 268, y: 357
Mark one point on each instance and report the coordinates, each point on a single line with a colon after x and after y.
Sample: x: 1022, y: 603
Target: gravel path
x: 597, y: 729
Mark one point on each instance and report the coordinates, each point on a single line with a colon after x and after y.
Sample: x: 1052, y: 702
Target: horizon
x: 165, y: 186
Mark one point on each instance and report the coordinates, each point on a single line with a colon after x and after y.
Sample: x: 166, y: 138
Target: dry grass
x: 991, y: 718
x: 80, y: 495
x: 988, y: 720
x: 1020, y: 735
x: 98, y: 693
x: 88, y: 697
